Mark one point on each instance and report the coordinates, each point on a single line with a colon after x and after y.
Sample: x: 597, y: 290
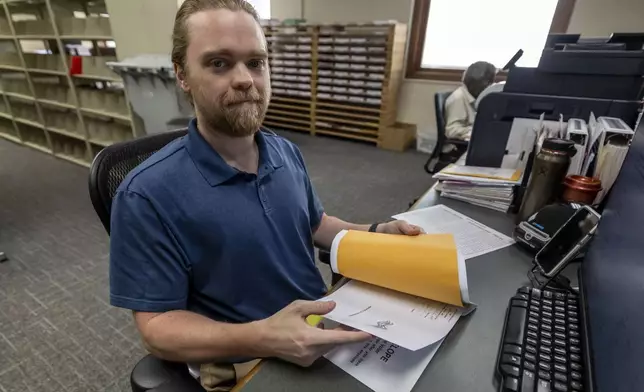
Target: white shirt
x: 459, y: 114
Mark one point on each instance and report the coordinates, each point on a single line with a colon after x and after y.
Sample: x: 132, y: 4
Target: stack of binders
x: 481, y: 186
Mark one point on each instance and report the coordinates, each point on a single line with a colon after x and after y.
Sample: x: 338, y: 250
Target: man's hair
x: 478, y: 76
x: 190, y: 7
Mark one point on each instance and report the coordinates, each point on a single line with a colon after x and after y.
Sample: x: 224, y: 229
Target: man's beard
x: 237, y: 114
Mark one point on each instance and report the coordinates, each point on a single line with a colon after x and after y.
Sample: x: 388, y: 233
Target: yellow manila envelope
x: 426, y: 265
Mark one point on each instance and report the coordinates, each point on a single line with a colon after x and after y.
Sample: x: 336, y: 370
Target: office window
x: 448, y: 35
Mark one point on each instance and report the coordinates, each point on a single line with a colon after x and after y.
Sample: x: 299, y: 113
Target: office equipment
x: 437, y: 159
x: 566, y: 243
x: 578, y: 133
x: 569, y: 83
x: 534, y: 232
x: 109, y: 168
x: 472, y: 237
x: 541, y: 346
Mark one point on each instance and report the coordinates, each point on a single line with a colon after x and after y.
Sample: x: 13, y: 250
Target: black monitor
x: 612, y: 282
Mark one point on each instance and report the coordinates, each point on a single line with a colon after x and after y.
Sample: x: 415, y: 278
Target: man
x: 212, y: 237
x: 459, y: 107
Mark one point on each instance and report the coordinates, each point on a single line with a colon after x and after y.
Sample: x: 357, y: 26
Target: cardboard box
x: 398, y: 137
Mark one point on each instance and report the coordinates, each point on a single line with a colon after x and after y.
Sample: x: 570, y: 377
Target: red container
x: 581, y: 189
x: 76, y: 65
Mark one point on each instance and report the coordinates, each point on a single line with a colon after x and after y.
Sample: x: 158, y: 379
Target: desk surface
x: 466, y: 359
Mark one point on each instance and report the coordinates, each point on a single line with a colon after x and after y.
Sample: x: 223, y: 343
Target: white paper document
x: 472, y: 238
x: 405, y: 320
x: 383, y: 366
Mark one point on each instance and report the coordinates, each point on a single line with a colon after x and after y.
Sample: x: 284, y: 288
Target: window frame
x: 560, y: 23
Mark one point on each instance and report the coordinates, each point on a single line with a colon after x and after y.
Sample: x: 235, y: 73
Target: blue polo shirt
x: 190, y: 232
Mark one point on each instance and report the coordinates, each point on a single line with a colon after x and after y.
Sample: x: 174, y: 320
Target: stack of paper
x: 482, y: 186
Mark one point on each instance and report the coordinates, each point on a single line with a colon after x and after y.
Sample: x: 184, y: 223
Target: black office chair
x: 438, y: 160
x: 109, y: 168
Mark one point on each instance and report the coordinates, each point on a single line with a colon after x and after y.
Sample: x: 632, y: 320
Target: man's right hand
x: 288, y: 336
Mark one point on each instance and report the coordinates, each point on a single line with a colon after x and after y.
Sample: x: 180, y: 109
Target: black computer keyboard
x: 541, y: 346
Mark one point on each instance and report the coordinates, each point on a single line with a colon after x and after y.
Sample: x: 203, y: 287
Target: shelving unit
x: 46, y: 101
x: 335, y: 79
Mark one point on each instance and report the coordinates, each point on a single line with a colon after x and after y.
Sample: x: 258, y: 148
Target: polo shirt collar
x: 215, y: 169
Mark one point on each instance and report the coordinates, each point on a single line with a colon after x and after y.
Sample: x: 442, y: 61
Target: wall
x: 600, y: 18
x: 142, y: 26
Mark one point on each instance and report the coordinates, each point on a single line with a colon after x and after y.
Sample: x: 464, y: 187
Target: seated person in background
x: 212, y: 237
x: 459, y: 107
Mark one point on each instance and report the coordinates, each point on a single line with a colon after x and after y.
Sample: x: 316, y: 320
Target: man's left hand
x: 399, y: 227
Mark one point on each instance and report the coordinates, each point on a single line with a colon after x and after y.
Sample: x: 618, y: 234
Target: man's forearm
x: 329, y: 227
x: 184, y: 336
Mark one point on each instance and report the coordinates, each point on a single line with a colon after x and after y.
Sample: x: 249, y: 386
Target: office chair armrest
x: 457, y: 142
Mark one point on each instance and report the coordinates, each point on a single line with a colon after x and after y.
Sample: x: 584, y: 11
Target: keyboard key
x: 519, y: 303
x: 524, y: 290
x: 572, y: 301
x: 527, y: 383
x: 546, y: 308
x: 560, y: 387
x: 545, y: 366
x: 510, y: 370
x: 536, y: 293
x: 575, y: 375
x: 572, y: 313
x: 560, y: 296
x: 560, y: 359
x: 533, y: 320
x: 560, y: 315
x: 543, y: 386
x: 512, y: 349
x: 533, y: 327
x: 511, y: 359
x: 560, y: 351
x: 574, y: 342
x: 547, y: 302
x: 531, y: 349
x: 546, y: 314
x: 544, y: 375
x: 560, y: 303
x: 574, y: 327
x: 546, y: 320
x: 560, y: 328
x: 532, y: 334
x: 544, y: 357
x: 547, y: 294
x: 534, y: 314
x: 560, y: 342
x: 546, y: 334
x: 546, y: 342
x: 529, y: 366
x: 535, y: 303
x: 546, y: 327
x: 560, y: 368
x: 577, y: 386
x: 522, y: 297
x: 575, y: 358
x: 559, y: 335
x: 560, y: 309
x: 560, y: 321
x: 561, y: 377
x: 575, y: 349
x: 511, y: 384
x: 546, y: 349
x: 575, y: 366
x: 573, y: 334
x: 574, y: 320
x: 572, y: 308
x: 531, y: 341
x: 515, y: 325
x: 530, y: 357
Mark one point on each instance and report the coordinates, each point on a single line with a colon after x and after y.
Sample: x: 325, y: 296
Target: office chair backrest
x: 439, y: 105
x: 113, y: 164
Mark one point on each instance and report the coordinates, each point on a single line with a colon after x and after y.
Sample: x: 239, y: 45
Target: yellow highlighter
x: 313, y: 320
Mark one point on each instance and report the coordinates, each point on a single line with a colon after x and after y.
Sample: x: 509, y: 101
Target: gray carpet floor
x: 57, y: 330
